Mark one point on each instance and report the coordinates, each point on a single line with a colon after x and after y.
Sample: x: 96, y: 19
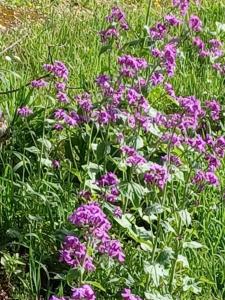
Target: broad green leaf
x: 95, y: 284
x: 185, y: 217
x: 192, y: 245
x: 156, y: 272
x: 157, y: 296
x: 182, y: 259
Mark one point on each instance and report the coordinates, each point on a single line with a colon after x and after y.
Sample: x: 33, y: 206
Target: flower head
x: 158, y: 31
x: 39, y: 83
x: 85, y: 292
x: 24, y: 111
x: 131, y: 65
x: 214, y: 108
x: 58, y: 69
x: 108, y: 179
x: 172, y: 20
x: 127, y: 295
x: 74, y: 253
x: 157, y: 175
x: 195, y: 23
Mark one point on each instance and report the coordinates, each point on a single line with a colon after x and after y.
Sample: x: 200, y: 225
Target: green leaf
x: 157, y: 296
x: 189, y: 284
x: 182, y: 259
x: 185, y: 217
x: 46, y: 143
x: 156, y: 272
x: 95, y: 284
x: 165, y: 257
x: 220, y: 27
x: 33, y: 149
x: 124, y: 222
x: 105, y: 49
x: 139, y: 143
x: 46, y: 162
x: 134, y: 43
x: 102, y: 150
x: 192, y: 245
x: 133, y: 191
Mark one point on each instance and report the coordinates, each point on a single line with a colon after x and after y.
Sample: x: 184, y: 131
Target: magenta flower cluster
x: 118, y: 23
x: 24, y: 111
x: 127, y: 295
x: 96, y: 226
x: 157, y: 175
x: 74, y: 254
x: 85, y: 292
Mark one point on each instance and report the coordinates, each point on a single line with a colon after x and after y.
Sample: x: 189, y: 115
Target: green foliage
x: 175, y: 248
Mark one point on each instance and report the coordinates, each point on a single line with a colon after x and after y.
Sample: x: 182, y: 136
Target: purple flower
x: 158, y: 31
x: 120, y: 137
x: 58, y: 69
x: 108, y: 34
x: 103, y: 117
x: 157, y: 175
x: 117, y: 212
x: 133, y: 157
x: 204, y: 53
x: 58, y: 127
x: 195, y: 23
x: 56, y: 164
x: 84, y: 102
x: 56, y: 298
x: 131, y: 121
x: 198, y: 42
x: 213, y: 162
x: 60, y: 86
x: 62, y: 97
x: 192, y: 112
x: 172, y: 139
x: 74, y: 254
x: 39, y: 83
x: 127, y: 295
x: 197, y: 143
x: 156, y: 78
x: 169, y: 89
x: 219, y: 146
x: 172, y: 20
x: 201, y: 178
x: 90, y: 215
x: 132, y: 96
x: 215, y: 49
x: 118, y: 16
x: 85, y: 292
x: 72, y: 119
x: 131, y: 65
x: 128, y: 150
x: 85, y: 194
x: 136, y: 160
x: 214, y: 108
x: 183, y: 5
x: 113, y: 249
x: 24, y: 111
x: 143, y: 104
x: 173, y: 159
x: 108, y: 179
x: 59, y: 114
x: 169, y: 56
x: 211, y: 178
x: 112, y: 195
x: 156, y: 52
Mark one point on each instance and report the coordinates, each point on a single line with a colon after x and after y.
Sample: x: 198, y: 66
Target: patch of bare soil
x: 11, y: 17
x: 5, y: 288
